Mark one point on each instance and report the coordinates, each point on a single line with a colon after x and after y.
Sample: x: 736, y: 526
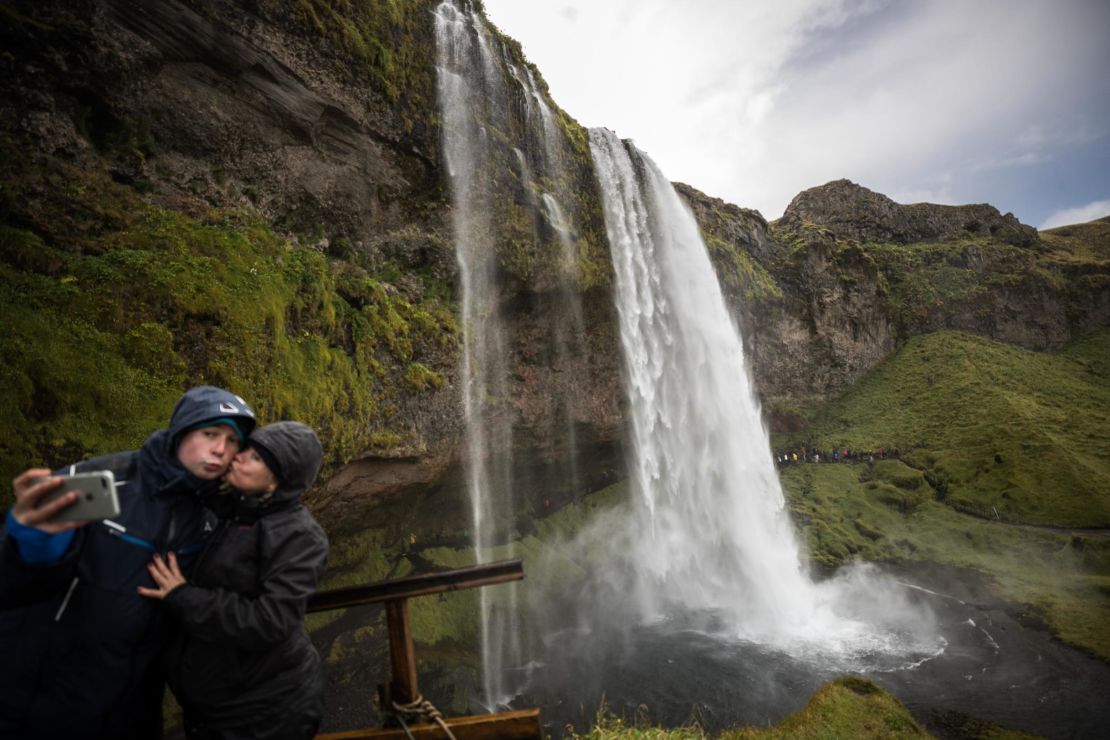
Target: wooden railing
x: 403, y: 688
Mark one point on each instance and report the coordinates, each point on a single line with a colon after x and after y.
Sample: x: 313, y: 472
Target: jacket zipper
x: 65, y: 601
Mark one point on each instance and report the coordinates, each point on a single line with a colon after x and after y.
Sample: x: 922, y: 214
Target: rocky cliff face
x: 319, y: 120
x: 165, y: 159
x: 848, y: 274
x: 252, y: 104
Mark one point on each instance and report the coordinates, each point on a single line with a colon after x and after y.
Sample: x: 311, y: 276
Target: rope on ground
x: 421, y: 708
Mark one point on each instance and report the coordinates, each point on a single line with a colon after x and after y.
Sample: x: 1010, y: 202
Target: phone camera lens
x: 88, y: 497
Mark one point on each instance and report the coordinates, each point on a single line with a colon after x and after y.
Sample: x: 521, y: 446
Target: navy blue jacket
x: 80, y: 646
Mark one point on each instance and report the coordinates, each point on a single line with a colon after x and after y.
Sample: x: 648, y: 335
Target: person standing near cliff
x: 241, y: 664
x: 80, y: 647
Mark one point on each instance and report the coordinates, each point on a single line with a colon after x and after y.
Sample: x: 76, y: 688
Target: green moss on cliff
x: 738, y: 272
x: 113, y: 306
x: 386, y: 41
x: 971, y: 282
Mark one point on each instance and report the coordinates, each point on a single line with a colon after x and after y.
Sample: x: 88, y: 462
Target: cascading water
x: 714, y: 532
x: 467, y: 79
x: 566, y: 334
x: 480, y: 93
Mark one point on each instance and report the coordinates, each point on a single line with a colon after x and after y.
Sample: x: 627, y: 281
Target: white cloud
x: 754, y: 102
x: 1080, y: 215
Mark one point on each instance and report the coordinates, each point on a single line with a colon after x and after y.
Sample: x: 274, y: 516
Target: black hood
x: 158, y: 456
x: 296, y: 451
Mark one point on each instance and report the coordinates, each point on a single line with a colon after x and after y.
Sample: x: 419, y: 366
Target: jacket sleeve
x: 23, y: 583
x: 292, y: 563
x: 35, y: 546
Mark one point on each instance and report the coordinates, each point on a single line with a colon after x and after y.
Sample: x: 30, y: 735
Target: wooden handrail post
x: 402, y: 686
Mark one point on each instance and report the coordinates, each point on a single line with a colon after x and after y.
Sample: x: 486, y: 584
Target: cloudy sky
x: 947, y: 101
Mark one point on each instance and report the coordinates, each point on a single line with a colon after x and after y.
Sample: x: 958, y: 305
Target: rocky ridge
x: 850, y: 211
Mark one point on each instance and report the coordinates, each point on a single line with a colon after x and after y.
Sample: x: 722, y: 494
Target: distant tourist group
x: 837, y: 454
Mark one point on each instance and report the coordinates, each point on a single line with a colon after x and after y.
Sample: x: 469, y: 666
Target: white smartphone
x: 96, y: 496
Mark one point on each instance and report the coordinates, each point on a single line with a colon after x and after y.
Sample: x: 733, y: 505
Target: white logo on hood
x: 228, y: 408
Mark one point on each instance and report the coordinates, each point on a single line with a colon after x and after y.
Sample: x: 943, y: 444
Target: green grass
x: 848, y: 707
x: 1005, y: 458
x: 856, y: 511
x: 999, y: 431
x: 1085, y: 244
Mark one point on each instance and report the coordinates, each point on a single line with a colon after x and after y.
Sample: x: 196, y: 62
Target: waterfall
x: 488, y: 104
x: 469, y: 96
x: 714, y: 532
x: 711, y: 532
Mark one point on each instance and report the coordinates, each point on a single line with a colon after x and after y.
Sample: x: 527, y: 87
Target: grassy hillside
x: 1080, y: 243
x: 994, y: 430
x: 981, y: 428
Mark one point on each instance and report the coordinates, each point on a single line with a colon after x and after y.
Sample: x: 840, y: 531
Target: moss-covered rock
x: 107, y: 324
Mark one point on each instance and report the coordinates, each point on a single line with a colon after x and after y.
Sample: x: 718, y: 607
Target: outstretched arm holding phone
x: 33, y: 556
x: 40, y: 541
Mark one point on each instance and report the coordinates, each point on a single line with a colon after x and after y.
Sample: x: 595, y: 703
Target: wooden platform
x: 523, y: 724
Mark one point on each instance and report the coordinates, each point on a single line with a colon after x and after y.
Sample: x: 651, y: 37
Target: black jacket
x: 80, y: 646
x: 241, y: 664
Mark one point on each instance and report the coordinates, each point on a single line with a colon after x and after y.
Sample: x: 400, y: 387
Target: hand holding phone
x: 96, y: 497
x: 57, y: 503
x: 29, y: 487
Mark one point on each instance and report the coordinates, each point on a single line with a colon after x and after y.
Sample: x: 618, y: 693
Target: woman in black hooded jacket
x: 242, y: 666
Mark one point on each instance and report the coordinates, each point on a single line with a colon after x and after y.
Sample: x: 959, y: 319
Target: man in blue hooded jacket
x: 79, y: 645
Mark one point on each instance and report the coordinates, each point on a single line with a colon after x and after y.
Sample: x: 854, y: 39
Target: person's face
x: 249, y: 475
x: 206, y: 452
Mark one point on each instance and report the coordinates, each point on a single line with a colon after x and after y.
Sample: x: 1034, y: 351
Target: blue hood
x: 158, y: 457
